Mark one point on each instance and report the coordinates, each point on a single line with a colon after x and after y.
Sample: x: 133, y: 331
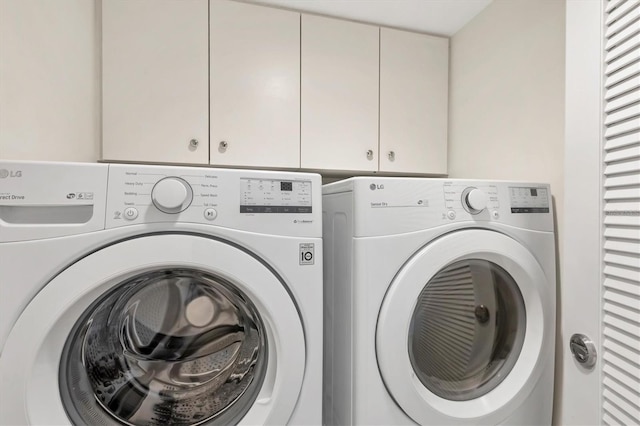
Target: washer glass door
x: 169, y: 346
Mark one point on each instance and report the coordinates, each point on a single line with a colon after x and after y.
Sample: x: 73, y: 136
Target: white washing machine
x: 159, y: 295
x: 439, y: 302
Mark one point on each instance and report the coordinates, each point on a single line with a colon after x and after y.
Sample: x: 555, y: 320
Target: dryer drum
x: 467, y: 329
x: 171, y: 346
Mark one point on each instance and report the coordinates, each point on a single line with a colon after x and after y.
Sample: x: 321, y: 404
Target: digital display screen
x: 275, y: 196
x: 529, y: 200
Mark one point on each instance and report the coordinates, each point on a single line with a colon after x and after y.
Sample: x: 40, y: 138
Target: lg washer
x: 150, y: 295
x: 440, y: 302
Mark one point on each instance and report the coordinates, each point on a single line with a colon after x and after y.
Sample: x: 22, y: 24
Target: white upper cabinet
x: 231, y: 83
x: 339, y: 106
x: 413, y: 102
x: 155, y: 80
x: 255, y: 85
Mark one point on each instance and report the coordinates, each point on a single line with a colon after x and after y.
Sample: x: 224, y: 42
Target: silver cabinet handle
x: 193, y: 143
x: 369, y: 155
x: 223, y: 146
x: 392, y: 155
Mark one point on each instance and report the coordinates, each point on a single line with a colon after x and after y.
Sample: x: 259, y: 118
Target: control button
x: 130, y: 213
x: 451, y: 214
x: 474, y: 200
x: 210, y: 214
x: 172, y: 195
x: 495, y: 214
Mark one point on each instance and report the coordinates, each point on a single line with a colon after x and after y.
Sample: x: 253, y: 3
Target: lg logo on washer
x: 373, y: 186
x: 4, y: 173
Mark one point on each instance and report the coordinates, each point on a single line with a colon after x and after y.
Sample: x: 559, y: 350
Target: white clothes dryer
x: 136, y: 294
x: 439, y: 302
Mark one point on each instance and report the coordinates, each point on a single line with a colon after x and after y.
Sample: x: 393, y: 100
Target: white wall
x: 507, y: 94
x: 49, y: 80
x: 506, y: 105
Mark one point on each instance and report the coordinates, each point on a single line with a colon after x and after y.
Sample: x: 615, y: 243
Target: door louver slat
x: 620, y: 11
x: 621, y: 344
x: 630, y: 15
x: 626, y: 409
x: 616, y: 287
x: 628, y: 325
x: 628, y: 180
x: 622, y: 364
x: 612, y: 4
x: 622, y: 86
x: 623, y: 50
x: 622, y: 141
x: 628, y: 98
x: 623, y: 246
x: 621, y: 232
x: 619, y: 376
x: 628, y: 112
x: 614, y: 416
x: 620, y: 389
x: 621, y: 218
x: 622, y: 36
x: 632, y: 152
x: 620, y: 260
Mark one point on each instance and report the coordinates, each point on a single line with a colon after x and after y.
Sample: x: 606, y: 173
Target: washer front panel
x: 34, y: 350
x: 487, y: 395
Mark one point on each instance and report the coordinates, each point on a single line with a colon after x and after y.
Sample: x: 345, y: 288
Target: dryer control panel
x: 385, y: 206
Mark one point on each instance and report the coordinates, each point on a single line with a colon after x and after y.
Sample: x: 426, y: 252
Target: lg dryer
x: 159, y: 295
x: 439, y: 302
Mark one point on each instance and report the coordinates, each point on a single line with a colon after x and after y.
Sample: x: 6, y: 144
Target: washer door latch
x: 583, y: 350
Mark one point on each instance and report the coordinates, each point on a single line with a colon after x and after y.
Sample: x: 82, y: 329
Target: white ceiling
x: 440, y: 17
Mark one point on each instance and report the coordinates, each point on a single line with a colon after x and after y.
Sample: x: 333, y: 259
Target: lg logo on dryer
x: 373, y: 186
x: 4, y: 173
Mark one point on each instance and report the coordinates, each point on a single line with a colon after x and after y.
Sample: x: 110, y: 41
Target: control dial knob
x: 172, y: 195
x: 474, y: 200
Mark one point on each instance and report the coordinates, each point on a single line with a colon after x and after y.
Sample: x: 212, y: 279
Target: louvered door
x: 600, y: 286
x: 621, y: 168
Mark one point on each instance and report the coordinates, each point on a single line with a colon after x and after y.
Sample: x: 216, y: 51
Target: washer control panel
x: 275, y: 196
x: 254, y: 200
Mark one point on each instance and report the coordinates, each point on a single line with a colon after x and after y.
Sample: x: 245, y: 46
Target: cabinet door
x: 413, y: 102
x: 339, y: 109
x: 255, y: 85
x: 155, y: 80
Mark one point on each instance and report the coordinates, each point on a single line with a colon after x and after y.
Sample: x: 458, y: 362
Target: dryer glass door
x: 467, y: 329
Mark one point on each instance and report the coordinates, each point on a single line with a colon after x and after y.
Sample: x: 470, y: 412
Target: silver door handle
x: 583, y: 350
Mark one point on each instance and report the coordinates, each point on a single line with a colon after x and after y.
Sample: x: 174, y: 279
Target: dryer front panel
x: 465, y: 329
x: 162, y: 329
